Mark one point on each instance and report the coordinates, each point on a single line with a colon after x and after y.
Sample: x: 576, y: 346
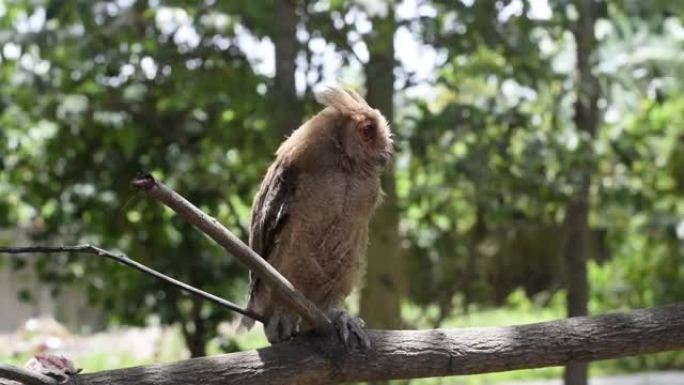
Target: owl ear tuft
x: 343, y: 100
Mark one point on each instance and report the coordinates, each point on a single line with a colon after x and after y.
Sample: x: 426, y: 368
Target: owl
x: 310, y: 216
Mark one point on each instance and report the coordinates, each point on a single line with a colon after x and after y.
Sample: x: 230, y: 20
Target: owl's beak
x: 384, y: 158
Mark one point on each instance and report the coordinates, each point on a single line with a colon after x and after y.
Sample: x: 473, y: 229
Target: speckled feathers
x: 310, y: 216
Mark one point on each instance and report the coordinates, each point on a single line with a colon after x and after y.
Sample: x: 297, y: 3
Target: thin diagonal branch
x: 24, y: 376
x: 89, y: 249
x: 216, y: 231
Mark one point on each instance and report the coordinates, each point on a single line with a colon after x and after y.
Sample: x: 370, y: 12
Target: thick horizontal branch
x: 89, y: 249
x: 24, y: 376
x: 295, y: 300
x: 425, y: 353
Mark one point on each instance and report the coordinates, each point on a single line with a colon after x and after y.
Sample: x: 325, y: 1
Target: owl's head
x: 361, y: 131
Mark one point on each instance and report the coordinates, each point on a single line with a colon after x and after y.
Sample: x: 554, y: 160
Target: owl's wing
x: 270, y: 212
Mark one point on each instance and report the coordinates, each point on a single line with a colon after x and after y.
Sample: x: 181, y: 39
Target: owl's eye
x: 367, y: 131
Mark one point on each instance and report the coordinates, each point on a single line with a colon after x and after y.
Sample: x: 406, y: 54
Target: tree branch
x: 89, y: 249
x: 24, y: 376
x: 424, y: 353
x: 295, y: 300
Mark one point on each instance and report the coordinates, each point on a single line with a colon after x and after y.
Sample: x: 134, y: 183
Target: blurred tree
x: 385, y: 279
x: 587, y: 119
x: 474, y: 221
x: 287, y: 114
x: 105, y: 90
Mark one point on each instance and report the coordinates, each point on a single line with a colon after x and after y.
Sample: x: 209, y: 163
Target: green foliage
x: 124, y: 94
x: 491, y: 162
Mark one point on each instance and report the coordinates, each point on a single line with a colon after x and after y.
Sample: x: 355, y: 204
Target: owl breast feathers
x: 310, y: 216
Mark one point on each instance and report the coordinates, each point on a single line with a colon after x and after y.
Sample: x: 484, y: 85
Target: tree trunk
x: 287, y: 112
x: 576, y: 247
x: 385, y: 278
x: 195, y: 334
x: 196, y: 340
x: 575, y: 256
x: 477, y: 235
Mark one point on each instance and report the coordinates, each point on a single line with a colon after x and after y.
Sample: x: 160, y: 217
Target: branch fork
x: 292, y: 298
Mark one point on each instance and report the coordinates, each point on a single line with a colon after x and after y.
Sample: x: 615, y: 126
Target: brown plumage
x: 310, y: 216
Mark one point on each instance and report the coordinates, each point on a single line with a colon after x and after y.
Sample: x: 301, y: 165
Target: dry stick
x: 424, y: 353
x: 216, y: 231
x: 24, y: 376
x: 89, y: 249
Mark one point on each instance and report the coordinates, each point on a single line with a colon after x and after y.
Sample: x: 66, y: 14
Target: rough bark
x: 576, y: 248
x: 11, y: 375
x: 286, y: 107
x: 385, y: 278
x: 427, y: 353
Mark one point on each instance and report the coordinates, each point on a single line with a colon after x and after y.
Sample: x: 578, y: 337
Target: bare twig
x: 89, y: 249
x: 424, y: 353
x: 216, y: 231
x: 24, y: 376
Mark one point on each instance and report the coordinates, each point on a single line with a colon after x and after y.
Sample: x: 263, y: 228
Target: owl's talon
x: 343, y: 333
x: 359, y: 330
x: 350, y: 330
x: 280, y: 327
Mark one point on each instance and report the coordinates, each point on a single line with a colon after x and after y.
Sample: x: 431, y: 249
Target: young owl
x: 310, y: 216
